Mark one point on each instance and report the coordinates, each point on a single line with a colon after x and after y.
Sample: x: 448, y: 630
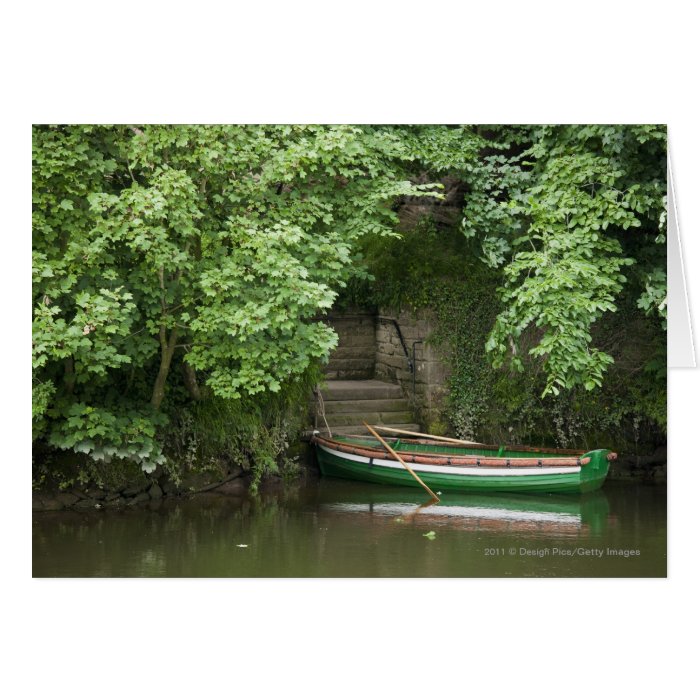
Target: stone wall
x: 431, y: 372
x: 354, y: 356
x: 138, y: 488
x: 369, y: 348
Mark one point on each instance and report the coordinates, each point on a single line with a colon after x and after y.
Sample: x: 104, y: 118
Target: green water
x: 327, y: 527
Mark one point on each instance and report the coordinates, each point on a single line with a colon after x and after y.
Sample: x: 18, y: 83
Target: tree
x: 172, y: 264
x: 569, y: 213
x: 207, y: 247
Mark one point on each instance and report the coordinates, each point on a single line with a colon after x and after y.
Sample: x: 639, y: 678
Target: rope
x: 322, y: 407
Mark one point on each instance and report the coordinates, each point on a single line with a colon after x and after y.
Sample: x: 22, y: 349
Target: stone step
x: 362, y: 352
x: 353, y: 363
x: 365, y: 406
x: 387, y: 418
x: 361, y: 430
x: 343, y: 390
x: 351, y: 374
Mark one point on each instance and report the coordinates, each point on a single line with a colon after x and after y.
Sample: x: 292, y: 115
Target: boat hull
x: 582, y: 478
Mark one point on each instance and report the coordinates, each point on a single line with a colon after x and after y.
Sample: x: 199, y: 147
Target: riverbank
x: 647, y: 469
x: 235, y: 481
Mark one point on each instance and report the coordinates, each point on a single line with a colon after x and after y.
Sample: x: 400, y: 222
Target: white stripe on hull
x: 460, y: 471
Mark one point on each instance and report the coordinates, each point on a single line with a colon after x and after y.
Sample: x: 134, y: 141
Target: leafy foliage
x: 561, y: 207
x: 206, y: 249
x: 256, y: 432
x: 178, y: 272
x: 550, y: 304
x: 104, y: 434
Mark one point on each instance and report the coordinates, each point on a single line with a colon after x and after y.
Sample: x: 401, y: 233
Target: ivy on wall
x: 504, y: 404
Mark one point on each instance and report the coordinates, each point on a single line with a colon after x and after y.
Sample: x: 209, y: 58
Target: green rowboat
x: 450, y: 468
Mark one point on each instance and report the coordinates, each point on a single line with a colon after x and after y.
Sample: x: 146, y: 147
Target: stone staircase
x: 348, y: 403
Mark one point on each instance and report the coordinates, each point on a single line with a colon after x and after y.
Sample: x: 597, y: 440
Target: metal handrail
x: 411, y: 365
x: 410, y: 357
x: 415, y: 342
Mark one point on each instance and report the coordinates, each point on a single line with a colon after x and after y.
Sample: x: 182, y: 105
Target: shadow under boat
x: 557, y: 514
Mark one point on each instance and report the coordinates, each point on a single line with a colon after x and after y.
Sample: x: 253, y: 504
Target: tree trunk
x: 167, y: 346
x: 190, y: 379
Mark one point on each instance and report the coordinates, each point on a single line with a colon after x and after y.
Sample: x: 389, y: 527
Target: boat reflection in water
x: 542, y: 514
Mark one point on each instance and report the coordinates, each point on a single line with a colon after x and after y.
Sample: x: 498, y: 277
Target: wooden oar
x: 454, y: 441
x: 396, y: 456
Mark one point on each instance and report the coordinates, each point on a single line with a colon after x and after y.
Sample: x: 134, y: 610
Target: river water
x: 327, y: 527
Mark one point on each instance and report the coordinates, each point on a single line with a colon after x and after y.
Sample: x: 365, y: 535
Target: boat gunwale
x: 511, y: 448
x: 455, y: 460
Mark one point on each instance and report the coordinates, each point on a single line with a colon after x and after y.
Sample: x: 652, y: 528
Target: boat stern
x: 595, y: 471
